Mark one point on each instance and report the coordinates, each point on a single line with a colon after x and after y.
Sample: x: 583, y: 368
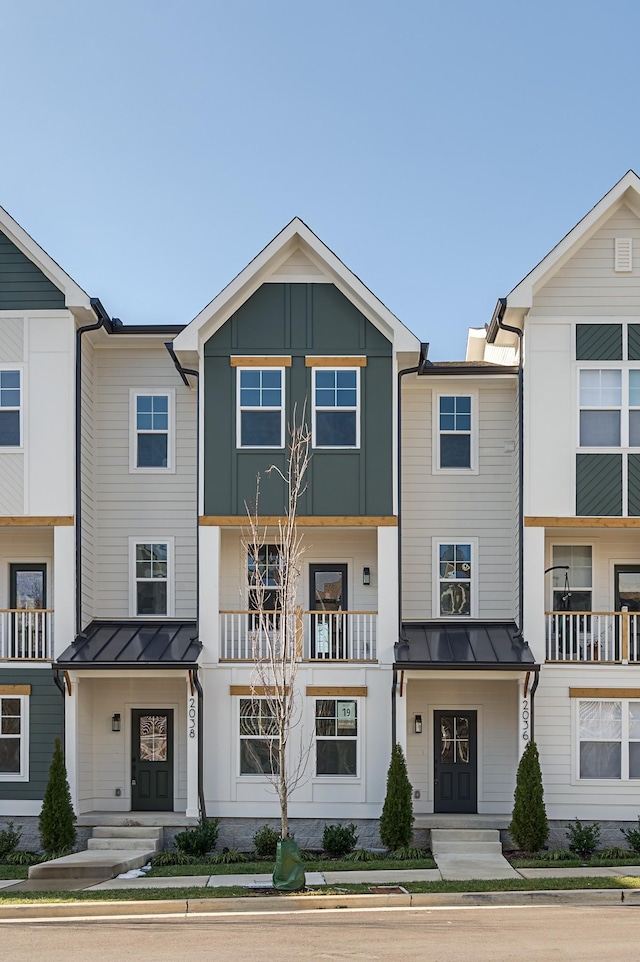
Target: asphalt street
x: 484, y: 934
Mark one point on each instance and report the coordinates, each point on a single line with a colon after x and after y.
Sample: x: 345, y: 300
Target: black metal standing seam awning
x: 482, y: 645
x: 133, y: 644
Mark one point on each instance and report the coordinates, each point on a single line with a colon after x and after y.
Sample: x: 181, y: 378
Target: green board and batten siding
x: 23, y: 286
x: 599, y: 485
x: 45, y: 723
x: 298, y: 320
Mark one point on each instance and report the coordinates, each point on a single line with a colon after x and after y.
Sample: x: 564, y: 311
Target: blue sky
x: 440, y: 149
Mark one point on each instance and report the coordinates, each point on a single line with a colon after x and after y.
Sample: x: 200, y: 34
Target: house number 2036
x: 192, y: 718
x: 525, y: 720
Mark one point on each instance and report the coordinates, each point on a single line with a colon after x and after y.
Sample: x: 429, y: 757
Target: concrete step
x: 467, y: 835
x: 123, y: 844
x: 105, y: 864
x: 127, y: 831
x: 466, y: 848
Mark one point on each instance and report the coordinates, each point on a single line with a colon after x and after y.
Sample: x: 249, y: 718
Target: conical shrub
x: 57, y: 818
x: 529, y: 827
x: 396, y: 821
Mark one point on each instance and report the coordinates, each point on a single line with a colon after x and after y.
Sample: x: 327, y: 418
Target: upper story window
x: 573, y: 586
x: 260, y: 422
x: 264, y: 569
x: 456, y: 590
x: 336, y: 407
x: 152, y: 434
x: 600, y: 407
x: 10, y: 409
x: 151, y: 578
x: 455, y: 433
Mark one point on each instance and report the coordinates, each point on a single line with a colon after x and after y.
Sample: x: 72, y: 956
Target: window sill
x: 14, y: 778
x: 11, y: 449
x: 459, y: 471
x: 170, y: 470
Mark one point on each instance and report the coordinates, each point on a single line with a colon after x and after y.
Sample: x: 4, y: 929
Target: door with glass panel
x: 455, y: 761
x: 27, y: 601
x: 152, y: 760
x: 328, y: 603
x: 627, y: 595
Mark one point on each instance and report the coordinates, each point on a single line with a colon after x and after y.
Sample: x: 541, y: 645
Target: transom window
x: 258, y: 738
x: 336, y: 421
x: 260, y: 408
x: 455, y: 580
x: 152, y: 577
x: 13, y: 738
x: 10, y: 394
x: 337, y: 737
x: 609, y: 739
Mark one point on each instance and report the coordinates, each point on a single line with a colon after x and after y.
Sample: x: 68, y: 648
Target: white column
x: 401, y: 713
x: 524, y: 713
x: 192, y: 750
x: 533, y: 580
x: 387, y: 585
x: 71, y: 703
x: 210, y: 592
x: 64, y: 587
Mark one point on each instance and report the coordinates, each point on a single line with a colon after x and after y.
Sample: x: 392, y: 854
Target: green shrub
x: 265, y: 842
x: 56, y: 853
x: 615, y: 851
x: 407, y: 853
x: 363, y: 855
x: 308, y: 856
x: 22, y: 858
x: 57, y: 818
x: 228, y: 857
x: 9, y: 839
x: 632, y: 836
x: 172, y: 858
x: 339, y: 840
x: 529, y: 827
x: 200, y: 839
x: 396, y: 821
x: 583, y: 839
x: 554, y: 855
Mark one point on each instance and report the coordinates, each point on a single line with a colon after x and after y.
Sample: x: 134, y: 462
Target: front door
x: 152, y: 760
x: 627, y: 584
x: 328, y: 590
x: 455, y: 761
x: 28, y: 594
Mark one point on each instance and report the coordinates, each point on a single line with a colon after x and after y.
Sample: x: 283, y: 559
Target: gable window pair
x: 335, y: 407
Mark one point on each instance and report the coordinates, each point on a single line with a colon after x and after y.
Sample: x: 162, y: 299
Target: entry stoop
x: 112, y: 851
x: 470, y: 854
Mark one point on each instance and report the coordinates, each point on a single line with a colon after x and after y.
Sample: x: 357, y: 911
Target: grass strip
x: 573, y: 863
x: 266, y: 867
x: 14, y: 871
x: 235, y: 891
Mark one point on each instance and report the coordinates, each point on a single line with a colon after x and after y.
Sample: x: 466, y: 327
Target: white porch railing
x: 321, y: 635
x: 26, y: 634
x: 593, y: 636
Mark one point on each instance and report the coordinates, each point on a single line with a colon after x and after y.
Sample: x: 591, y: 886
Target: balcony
x: 26, y: 634
x: 322, y: 636
x: 593, y: 637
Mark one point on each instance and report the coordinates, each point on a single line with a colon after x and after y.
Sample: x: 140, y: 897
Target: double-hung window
x: 265, y: 577
x: 151, y: 431
x: 258, y: 738
x: 456, y: 592
x: 600, y: 407
x: 151, y: 578
x: 455, y: 433
x: 572, y: 587
x: 336, y: 407
x: 14, y: 731
x: 337, y: 736
x: 10, y: 409
x: 609, y: 739
x: 260, y: 421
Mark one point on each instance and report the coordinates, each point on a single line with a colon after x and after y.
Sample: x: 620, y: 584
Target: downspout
x: 533, y: 691
x: 519, y: 334
x: 103, y: 318
x: 422, y: 362
x: 183, y: 372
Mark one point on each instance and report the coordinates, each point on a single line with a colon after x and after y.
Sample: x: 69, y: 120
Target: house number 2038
x: 192, y: 718
x: 525, y: 720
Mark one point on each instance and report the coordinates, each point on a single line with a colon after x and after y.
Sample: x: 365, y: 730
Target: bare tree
x: 275, y: 624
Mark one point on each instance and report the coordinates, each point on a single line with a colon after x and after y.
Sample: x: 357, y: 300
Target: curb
x: 291, y: 903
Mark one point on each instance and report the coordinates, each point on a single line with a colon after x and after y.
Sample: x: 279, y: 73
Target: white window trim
x: 239, y: 409
x: 152, y: 539
x: 16, y: 448
x: 572, y: 543
x: 23, y: 775
x: 624, y: 741
x: 475, y: 580
x: 247, y: 776
x: 435, y: 433
x: 134, y: 394
x: 358, y: 410
x: 342, y: 779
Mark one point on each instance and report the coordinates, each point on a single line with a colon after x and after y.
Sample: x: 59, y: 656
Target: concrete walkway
x: 466, y: 854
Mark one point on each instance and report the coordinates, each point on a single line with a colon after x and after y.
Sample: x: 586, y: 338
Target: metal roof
x: 480, y: 645
x: 134, y: 644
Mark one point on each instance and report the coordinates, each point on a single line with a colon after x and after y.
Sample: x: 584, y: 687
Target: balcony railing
x: 320, y: 635
x: 26, y: 634
x: 593, y: 636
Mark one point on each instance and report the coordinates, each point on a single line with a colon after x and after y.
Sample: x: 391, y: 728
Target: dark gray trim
x: 147, y: 329
x: 457, y: 666
x: 133, y: 644
x: 534, y: 687
x: 198, y: 688
x: 470, y: 370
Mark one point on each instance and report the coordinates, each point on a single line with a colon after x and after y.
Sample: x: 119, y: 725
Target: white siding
x: 11, y: 465
x: 11, y: 339
x: 447, y: 506
x: 140, y: 505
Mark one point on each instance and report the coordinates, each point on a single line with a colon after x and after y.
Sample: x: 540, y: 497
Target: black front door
x: 627, y: 582
x: 28, y: 633
x: 328, y: 591
x: 455, y: 761
x: 152, y: 760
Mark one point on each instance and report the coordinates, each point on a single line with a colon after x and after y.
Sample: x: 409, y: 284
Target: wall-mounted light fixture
x: 366, y: 576
x: 417, y: 724
x: 115, y: 722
